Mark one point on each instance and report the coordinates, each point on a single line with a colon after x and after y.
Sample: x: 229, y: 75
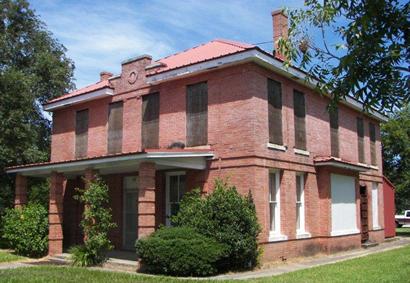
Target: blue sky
x: 101, y: 34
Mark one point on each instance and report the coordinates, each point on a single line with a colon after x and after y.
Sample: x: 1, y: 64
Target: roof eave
x: 191, y: 160
x: 260, y: 57
x: 80, y: 98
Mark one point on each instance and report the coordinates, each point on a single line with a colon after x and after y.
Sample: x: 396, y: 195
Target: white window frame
x: 275, y: 234
x: 375, y: 205
x: 167, y: 194
x: 301, y: 231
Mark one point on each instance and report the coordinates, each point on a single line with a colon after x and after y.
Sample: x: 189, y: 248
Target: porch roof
x: 336, y: 162
x: 118, y: 163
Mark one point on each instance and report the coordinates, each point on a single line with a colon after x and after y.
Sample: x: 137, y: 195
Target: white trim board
x: 104, y: 92
x: 188, y: 160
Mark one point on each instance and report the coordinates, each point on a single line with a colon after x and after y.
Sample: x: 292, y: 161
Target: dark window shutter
x: 115, y: 127
x: 81, y: 133
x: 299, y: 110
x: 372, y: 133
x: 275, y: 112
x: 197, y: 114
x: 360, y: 139
x: 150, y: 120
x: 334, y: 132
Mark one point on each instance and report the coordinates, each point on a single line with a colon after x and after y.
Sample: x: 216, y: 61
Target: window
x: 274, y: 202
x: 81, y: 133
x: 372, y: 134
x: 197, y: 114
x: 360, y: 139
x: 150, y: 120
x: 375, y: 206
x: 300, y: 119
x: 175, y: 190
x: 275, y: 112
x: 300, y: 203
x: 115, y: 127
x: 334, y: 132
x: 343, y: 194
x: 408, y: 214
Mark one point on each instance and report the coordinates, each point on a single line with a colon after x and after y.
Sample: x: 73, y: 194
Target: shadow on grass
x: 403, y: 232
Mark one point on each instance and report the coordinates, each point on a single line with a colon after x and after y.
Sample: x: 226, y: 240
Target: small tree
x: 26, y: 229
x: 227, y: 217
x: 96, y: 224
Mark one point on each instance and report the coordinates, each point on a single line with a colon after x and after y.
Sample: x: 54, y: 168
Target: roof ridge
x: 234, y: 43
x: 185, y: 50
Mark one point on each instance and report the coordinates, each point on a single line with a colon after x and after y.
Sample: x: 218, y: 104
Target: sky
x: 99, y: 35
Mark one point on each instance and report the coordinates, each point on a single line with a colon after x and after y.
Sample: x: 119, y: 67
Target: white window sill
x: 374, y: 167
x: 277, y: 146
x: 303, y: 235
x: 274, y: 237
x: 301, y: 152
x: 344, y: 232
x: 377, y: 228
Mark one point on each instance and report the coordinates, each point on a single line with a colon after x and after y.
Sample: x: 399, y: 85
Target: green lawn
x: 6, y: 257
x: 391, y: 266
x: 404, y: 231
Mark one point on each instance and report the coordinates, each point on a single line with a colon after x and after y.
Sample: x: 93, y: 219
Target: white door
x: 130, y: 212
x: 343, y: 205
x: 175, y: 189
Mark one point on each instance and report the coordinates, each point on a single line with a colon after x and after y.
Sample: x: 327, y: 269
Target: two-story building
x: 221, y: 109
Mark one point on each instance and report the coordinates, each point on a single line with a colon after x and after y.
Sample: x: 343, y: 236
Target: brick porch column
x: 146, y: 199
x: 55, y: 214
x: 20, y: 198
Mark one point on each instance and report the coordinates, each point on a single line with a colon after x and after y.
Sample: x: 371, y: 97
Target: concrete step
x: 369, y: 244
x: 121, y: 265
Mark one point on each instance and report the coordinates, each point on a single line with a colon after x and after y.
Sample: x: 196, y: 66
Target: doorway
x: 130, y: 212
x: 364, y: 214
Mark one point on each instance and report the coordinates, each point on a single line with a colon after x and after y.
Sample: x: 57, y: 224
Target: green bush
x: 26, y: 230
x: 229, y: 218
x: 96, y: 223
x: 179, y: 251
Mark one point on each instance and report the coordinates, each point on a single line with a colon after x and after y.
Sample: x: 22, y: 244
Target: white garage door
x: 343, y: 205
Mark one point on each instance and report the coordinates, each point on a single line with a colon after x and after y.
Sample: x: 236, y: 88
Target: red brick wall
x: 238, y: 136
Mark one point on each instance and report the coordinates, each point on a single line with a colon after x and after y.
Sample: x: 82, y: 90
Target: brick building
x: 221, y: 109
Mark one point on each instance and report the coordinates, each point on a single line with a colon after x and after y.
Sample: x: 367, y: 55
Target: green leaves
x: 396, y: 155
x: 96, y: 223
x: 227, y: 217
x: 370, y: 60
x: 26, y: 230
x: 33, y: 69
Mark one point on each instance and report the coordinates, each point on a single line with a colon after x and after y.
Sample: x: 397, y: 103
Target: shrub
x: 179, y: 251
x: 26, y: 230
x: 227, y: 217
x: 96, y: 224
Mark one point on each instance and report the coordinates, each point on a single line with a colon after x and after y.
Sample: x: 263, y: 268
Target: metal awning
x: 120, y: 163
x: 340, y: 163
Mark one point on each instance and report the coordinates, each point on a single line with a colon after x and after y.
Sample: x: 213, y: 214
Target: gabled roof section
x: 83, y: 90
x: 201, y: 53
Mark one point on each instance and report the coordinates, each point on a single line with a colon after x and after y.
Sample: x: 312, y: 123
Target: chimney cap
x: 105, y: 75
x: 279, y: 12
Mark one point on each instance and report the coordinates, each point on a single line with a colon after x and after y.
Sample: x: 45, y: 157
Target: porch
x: 144, y: 190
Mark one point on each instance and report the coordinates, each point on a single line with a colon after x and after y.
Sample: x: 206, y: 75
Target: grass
x: 390, y: 266
x: 7, y: 257
x: 403, y: 231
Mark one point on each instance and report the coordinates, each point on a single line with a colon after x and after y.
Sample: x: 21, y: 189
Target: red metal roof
x: 89, y: 88
x: 204, y: 52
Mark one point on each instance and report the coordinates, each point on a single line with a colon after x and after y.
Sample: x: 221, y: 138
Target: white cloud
x: 99, y: 35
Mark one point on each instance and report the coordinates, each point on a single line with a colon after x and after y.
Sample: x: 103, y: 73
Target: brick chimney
x: 280, y: 29
x: 104, y: 75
